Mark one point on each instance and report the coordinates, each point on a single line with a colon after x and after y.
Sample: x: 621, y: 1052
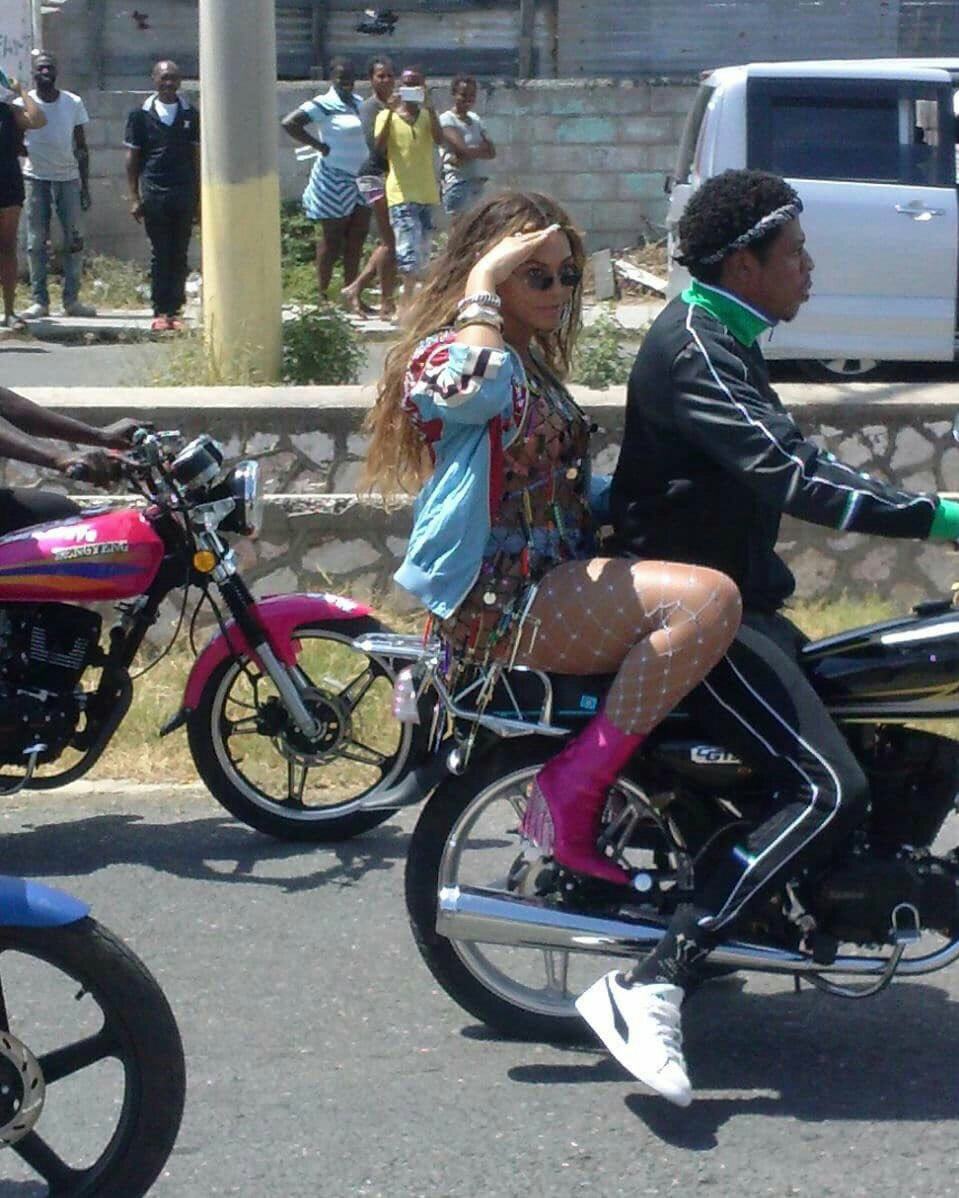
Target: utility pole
x: 242, y: 290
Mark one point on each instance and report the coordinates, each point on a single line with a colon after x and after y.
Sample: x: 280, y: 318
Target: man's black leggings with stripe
x: 758, y: 704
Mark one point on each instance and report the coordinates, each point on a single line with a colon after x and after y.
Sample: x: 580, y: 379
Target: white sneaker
x: 35, y: 312
x: 640, y: 1025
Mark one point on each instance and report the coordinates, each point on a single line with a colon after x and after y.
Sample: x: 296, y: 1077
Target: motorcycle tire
x: 246, y: 797
x: 437, y: 823
x: 139, y: 1031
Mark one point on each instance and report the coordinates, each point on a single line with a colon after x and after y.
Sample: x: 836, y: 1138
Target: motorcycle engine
x: 857, y: 901
x: 913, y: 782
x: 44, y: 651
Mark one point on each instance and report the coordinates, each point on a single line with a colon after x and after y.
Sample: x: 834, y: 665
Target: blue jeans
x: 43, y: 196
x: 462, y: 194
x: 411, y: 224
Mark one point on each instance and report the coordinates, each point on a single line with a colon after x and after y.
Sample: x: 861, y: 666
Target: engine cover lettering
x: 98, y: 549
x: 712, y: 755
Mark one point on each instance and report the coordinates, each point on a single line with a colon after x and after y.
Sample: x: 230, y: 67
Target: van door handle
x: 918, y: 210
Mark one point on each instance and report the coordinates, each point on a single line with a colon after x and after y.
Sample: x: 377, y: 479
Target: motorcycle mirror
x: 955, y: 428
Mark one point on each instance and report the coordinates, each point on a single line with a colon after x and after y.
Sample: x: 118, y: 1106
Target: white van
x: 870, y: 146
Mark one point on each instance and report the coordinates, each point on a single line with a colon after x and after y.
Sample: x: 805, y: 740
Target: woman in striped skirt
x: 331, y: 197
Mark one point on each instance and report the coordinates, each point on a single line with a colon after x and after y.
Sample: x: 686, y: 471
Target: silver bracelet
x: 480, y: 309
x: 479, y: 315
x: 487, y: 298
x: 490, y: 322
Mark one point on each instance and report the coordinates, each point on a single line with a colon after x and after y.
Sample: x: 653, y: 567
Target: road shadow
x: 207, y: 850
x: 804, y: 1056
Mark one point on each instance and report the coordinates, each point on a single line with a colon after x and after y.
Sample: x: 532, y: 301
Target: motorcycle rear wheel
x: 109, y: 1052
x: 468, y: 834
x: 363, y: 749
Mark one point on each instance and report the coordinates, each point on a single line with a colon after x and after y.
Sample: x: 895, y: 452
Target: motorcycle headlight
x: 198, y: 463
x: 244, y: 486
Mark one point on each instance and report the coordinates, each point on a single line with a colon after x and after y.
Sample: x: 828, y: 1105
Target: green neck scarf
x: 744, y: 322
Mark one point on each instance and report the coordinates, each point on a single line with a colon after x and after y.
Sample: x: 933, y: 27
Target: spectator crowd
x: 387, y: 160
x: 393, y: 157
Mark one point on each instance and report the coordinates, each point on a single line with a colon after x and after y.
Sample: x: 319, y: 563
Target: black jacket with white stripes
x: 711, y: 460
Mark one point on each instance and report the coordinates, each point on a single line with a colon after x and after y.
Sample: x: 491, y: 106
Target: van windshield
x: 687, y: 144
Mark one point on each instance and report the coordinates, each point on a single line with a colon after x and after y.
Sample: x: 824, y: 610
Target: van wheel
x: 838, y: 370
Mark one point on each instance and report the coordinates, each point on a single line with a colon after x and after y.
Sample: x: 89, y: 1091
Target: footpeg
x: 906, y: 928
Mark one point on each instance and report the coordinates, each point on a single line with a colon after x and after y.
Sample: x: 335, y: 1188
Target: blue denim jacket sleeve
x: 471, y: 387
x: 600, y: 489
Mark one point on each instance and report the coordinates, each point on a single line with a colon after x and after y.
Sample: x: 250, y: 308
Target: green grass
x: 137, y: 753
x: 107, y: 283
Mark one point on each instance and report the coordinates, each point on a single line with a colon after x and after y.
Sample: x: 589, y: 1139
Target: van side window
x: 876, y: 131
x: 690, y: 138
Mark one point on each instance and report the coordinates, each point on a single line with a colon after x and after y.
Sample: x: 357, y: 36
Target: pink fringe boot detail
x: 564, y: 814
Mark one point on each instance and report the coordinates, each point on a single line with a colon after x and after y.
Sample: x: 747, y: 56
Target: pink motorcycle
x: 284, y: 713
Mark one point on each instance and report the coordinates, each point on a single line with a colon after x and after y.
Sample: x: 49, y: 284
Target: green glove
x: 945, y: 523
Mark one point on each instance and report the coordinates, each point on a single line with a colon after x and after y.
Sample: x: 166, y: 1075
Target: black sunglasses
x: 539, y: 280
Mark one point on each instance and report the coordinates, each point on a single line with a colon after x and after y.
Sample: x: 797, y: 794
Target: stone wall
x: 602, y: 147
x: 319, y: 534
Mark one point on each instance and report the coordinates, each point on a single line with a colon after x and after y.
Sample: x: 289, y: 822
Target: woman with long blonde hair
x: 472, y: 411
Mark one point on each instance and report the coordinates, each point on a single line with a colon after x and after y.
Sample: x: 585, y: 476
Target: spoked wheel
x: 261, y: 767
x: 468, y: 835
x: 92, y: 1077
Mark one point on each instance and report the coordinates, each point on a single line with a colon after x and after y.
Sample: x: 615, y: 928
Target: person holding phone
x: 407, y: 133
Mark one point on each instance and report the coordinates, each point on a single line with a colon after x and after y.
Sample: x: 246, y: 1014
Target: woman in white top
x: 467, y: 144
x: 331, y: 197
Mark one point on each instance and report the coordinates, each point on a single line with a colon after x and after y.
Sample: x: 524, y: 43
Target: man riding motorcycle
x: 24, y: 430
x: 710, y: 462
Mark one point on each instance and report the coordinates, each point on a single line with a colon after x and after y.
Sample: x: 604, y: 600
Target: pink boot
x: 564, y: 813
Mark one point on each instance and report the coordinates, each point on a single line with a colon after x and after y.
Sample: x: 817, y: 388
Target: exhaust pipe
x: 492, y: 917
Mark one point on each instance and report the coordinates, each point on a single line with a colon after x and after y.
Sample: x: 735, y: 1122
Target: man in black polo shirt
x: 163, y: 174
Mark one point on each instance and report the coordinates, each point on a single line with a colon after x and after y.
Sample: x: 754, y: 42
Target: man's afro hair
x: 724, y: 208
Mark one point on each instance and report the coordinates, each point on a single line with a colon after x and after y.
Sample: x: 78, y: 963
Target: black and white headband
x: 766, y: 224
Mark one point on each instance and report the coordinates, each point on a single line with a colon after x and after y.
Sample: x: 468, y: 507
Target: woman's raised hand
x: 498, y: 263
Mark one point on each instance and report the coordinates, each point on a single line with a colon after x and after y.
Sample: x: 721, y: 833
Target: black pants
x: 758, y: 703
x: 21, y: 508
x: 168, y: 217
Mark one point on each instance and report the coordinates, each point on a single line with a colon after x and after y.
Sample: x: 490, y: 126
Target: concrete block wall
x: 601, y: 147
x: 320, y: 534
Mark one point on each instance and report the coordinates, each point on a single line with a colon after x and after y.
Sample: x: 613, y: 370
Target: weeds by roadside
x: 138, y: 754
x: 601, y: 360
x: 320, y: 347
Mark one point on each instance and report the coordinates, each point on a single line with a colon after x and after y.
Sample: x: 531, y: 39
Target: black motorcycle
x: 514, y: 939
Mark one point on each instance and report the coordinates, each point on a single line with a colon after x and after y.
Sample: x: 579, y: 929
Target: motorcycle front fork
x: 242, y: 607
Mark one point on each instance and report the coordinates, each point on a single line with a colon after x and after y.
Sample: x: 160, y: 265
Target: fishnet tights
x: 659, y: 625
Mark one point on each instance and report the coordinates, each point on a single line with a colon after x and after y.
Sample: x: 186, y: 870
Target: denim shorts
x: 412, y: 225
x: 462, y: 194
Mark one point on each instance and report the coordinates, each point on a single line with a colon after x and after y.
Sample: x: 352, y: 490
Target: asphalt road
x: 323, y: 1061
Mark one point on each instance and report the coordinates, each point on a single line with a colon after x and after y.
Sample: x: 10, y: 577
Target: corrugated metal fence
x: 114, y: 44
x: 682, y: 37
x: 444, y: 36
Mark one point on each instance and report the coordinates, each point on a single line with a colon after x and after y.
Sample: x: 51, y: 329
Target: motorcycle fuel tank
x: 102, y: 556
x: 904, y: 669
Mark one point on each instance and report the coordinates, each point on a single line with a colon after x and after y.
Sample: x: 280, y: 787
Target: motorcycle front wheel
x: 92, y: 1078
x: 261, y: 768
x: 468, y: 835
